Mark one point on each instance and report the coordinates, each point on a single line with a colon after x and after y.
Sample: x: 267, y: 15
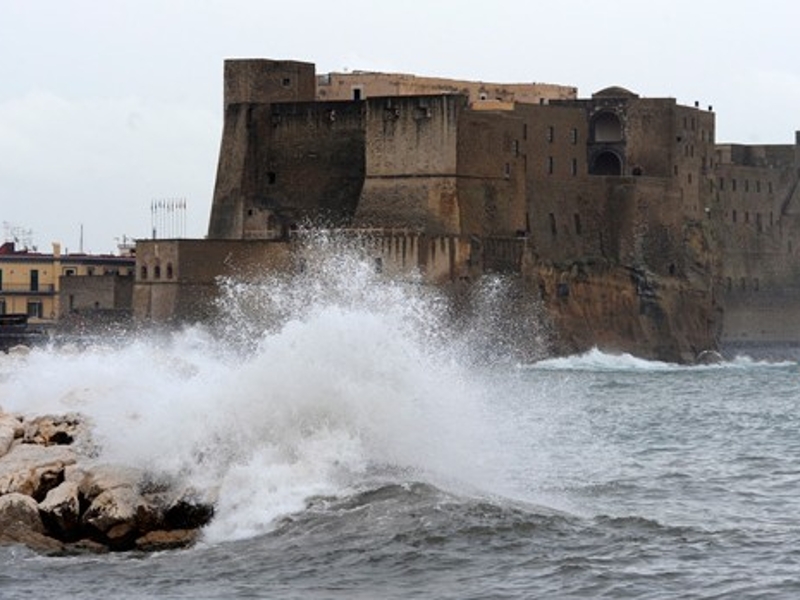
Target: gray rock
x: 29, y: 468
x: 60, y: 510
x: 20, y: 511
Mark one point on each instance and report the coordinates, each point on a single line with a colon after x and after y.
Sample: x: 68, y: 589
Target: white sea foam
x: 310, y: 387
x: 598, y: 360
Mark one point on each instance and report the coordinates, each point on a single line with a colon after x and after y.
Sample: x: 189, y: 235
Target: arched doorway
x: 606, y: 127
x: 607, y: 163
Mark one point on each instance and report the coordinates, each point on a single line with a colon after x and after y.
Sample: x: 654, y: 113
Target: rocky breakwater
x: 57, y: 499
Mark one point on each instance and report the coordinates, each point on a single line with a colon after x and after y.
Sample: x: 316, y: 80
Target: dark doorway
x: 607, y: 163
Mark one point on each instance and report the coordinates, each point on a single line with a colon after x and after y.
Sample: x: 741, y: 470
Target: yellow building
x: 30, y: 281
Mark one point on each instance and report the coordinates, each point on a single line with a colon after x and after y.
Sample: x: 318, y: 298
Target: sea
x: 360, y: 442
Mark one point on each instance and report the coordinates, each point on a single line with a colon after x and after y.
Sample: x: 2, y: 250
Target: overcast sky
x: 108, y: 105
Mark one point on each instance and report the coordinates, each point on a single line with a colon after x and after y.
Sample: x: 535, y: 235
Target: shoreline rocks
x: 55, y: 498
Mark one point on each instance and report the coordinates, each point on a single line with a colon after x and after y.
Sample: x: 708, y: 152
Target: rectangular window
x: 507, y: 171
x: 35, y: 309
x: 721, y: 184
x: 1, y: 279
x: 271, y: 178
x: 551, y: 133
x: 516, y: 147
x: 553, y: 228
x: 34, y: 280
x: 574, y: 136
x: 550, y: 165
x: 758, y: 185
x: 2, y: 306
x: 578, y: 228
x: 574, y: 166
x: 746, y: 185
x: 733, y: 184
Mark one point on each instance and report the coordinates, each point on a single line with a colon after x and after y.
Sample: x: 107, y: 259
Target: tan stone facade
x: 635, y: 229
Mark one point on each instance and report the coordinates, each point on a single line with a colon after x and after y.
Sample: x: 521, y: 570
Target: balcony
x: 24, y: 289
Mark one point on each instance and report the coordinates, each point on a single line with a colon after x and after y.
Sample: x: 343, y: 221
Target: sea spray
x: 319, y: 383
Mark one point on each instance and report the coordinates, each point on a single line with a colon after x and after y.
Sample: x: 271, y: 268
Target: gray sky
x: 108, y: 105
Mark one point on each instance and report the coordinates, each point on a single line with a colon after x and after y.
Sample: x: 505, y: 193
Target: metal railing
x: 26, y: 288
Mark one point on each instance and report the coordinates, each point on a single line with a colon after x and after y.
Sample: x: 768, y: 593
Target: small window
x: 157, y: 272
x: 746, y: 185
x: 272, y: 177
x: 578, y: 228
x: 550, y: 165
x: 733, y: 216
x: 769, y: 186
x: 574, y: 136
x: 90, y: 270
x: 357, y: 93
x: 286, y: 82
x: 574, y: 166
x: 378, y: 264
x: 551, y: 133
x: 721, y: 184
x: 553, y: 228
x: 143, y: 272
x: 733, y: 184
x: 34, y: 309
x: 507, y: 171
x: 170, y: 273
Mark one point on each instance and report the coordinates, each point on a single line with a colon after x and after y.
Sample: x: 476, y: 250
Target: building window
x: 574, y: 136
x: 733, y: 215
x: 733, y: 184
x: 35, y: 309
x: 689, y: 177
x: 758, y: 185
x: 34, y: 280
x: 286, y: 82
x: 769, y: 186
x: 170, y: 273
x: 574, y: 166
x: 516, y: 147
x: 90, y: 270
x: 746, y: 185
x: 721, y: 184
x: 507, y: 170
x: 550, y: 165
x: 746, y: 216
x: 551, y: 133
x: 1, y: 279
x: 578, y: 228
x: 2, y: 306
x: 143, y: 272
x: 272, y: 177
x: 357, y: 93
x: 157, y: 272
x: 553, y: 228
x: 524, y: 131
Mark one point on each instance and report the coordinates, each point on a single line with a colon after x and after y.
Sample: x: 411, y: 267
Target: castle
x: 626, y: 221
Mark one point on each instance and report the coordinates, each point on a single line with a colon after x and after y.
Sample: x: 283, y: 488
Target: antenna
x: 168, y: 218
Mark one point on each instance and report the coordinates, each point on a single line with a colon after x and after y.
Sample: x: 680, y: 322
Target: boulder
x: 33, y: 540
x: 95, y: 480
x: 156, y: 541
x: 113, y: 507
x: 52, y: 430
x: 20, y: 511
x: 60, y: 510
x: 33, y: 470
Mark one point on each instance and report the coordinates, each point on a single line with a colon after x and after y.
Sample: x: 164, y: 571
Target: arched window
x: 143, y: 272
x: 607, y: 163
x: 607, y: 127
x: 169, y: 271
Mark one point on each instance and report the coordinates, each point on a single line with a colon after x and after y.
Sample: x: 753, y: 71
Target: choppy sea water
x: 358, y: 448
